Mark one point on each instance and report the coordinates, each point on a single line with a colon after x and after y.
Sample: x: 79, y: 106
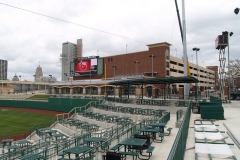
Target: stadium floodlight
x: 196, y: 49
x: 229, y: 34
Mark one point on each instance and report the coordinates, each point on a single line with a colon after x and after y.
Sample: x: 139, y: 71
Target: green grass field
x: 14, y: 122
x: 39, y: 97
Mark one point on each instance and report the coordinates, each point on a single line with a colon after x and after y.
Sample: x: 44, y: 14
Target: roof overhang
x: 164, y: 80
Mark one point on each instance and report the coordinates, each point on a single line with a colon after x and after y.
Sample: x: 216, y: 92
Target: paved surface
x: 232, y: 121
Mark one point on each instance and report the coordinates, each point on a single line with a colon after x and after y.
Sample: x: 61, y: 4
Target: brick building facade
x: 156, y: 62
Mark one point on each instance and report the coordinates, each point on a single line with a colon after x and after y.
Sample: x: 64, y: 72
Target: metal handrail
x: 178, y: 149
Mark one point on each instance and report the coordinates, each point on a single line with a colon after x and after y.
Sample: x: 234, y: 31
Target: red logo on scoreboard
x: 82, y: 66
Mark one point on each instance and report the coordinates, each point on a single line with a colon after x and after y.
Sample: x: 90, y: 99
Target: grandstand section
x: 101, y: 128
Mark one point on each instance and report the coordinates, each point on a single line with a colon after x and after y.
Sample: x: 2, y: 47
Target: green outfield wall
x: 54, y: 104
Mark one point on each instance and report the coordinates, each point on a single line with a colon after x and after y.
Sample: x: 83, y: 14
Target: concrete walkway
x: 232, y: 121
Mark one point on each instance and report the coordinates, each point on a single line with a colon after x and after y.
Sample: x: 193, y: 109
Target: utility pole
x: 186, y: 89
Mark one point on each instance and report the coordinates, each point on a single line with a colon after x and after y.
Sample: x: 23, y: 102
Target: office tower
x: 3, y: 69
x: 69, y: 52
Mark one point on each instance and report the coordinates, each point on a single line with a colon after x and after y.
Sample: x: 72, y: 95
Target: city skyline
x: 36, y: 39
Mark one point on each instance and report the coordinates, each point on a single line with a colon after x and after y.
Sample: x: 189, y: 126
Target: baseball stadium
x: 61, y: 127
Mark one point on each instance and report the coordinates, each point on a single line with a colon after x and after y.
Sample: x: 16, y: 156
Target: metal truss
x: 222, y: 72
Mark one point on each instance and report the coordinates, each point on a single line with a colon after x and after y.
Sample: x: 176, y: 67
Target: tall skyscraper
x: 3, y: 69
x: 69, y: 52
x: 79, y: 48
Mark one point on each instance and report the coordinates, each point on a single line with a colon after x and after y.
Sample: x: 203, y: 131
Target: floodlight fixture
x: 236, y: 10
x: 196, y: 49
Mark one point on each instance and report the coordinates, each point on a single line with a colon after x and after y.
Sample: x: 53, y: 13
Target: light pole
x: 71, y: 79
x: 20, y: 83
x: 65, y: 82
x: 2, y: 87
x: 230, y: 34
x: 34, y: 82
x: 236, y: 10
x: 137, y: 62
x: 233, y: 83
x: 208, y: 85
x: 196, y: 49
x: 152, y: 56
x: 50, y: 88
x: 90, y: 81
x: 114, y: 68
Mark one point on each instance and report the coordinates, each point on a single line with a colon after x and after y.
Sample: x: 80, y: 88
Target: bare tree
x: 234, y: 72
x: 234, y: 67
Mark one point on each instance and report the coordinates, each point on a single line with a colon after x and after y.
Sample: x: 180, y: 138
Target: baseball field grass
x: 14, y: 122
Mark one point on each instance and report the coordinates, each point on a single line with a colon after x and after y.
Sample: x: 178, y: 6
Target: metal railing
x: 50, y: 149
x: 121, y: 132
x: 76, y: 110
x: 179, y: 114
x: 178, y: 149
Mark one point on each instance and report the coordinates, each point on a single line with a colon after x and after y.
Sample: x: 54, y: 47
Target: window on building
x: 167, y: 54
x: 172, y: 62
x: 131, y: 90
x: 168, y: 73
x: 167, y: 64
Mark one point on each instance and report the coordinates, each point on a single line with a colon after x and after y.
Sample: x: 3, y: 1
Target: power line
x: 72, y: 23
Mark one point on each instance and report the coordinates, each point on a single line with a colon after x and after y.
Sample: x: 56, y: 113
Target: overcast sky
x: 27, y: 39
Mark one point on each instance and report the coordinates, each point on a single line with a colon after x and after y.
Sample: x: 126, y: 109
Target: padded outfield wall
x: 54, y: 104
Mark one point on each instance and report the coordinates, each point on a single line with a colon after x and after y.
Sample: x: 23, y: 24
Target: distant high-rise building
x: 38, y: 72
x: 3, y: 69
x: 38, y: 77
x: 69, y: 52
x: 79, y: 48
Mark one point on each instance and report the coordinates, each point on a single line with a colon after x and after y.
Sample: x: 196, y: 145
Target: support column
x: 60, y: 90
x: 99, y: 91
x: 116, y: 91
x: 164, y: 91
x: 128, y: 90
x: 53, y: 91
x: 153, y: 92
x: 138, y: 91
x: 84, y: 91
